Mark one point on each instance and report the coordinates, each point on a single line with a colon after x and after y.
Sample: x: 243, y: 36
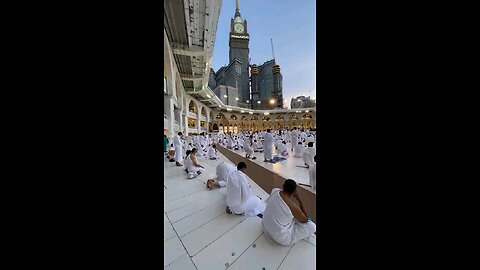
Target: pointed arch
x: 192, y: 107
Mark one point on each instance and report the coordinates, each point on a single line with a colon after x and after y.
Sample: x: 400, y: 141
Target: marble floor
x: 287, y: 169
x: 198, y: 234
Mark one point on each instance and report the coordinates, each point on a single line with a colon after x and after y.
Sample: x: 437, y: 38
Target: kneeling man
x: 285, y: 220
x: 240, y: 198
x: 223, y: 171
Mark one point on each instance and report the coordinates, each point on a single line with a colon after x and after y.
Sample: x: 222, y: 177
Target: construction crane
x: 273, y: 53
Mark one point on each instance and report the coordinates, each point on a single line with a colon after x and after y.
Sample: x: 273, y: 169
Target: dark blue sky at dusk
x: 291, y: 24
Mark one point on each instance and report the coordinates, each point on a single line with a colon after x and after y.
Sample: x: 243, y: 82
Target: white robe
x: 308, y: 156
x: 299, y: 150
x: 312, y: 174
x: 212, y: 153
x: 240, y: 198
x: 177, y: 143
x: 268, y: 147
x: 294, y: 137
x: 223, y: 171
x: 230, y: 142
x: 279, y: 223
x: 282, y: 149
x: 248, y: 149
x: 191, y: 168
x: 309, y: 139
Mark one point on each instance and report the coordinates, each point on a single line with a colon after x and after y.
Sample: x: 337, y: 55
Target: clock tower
x: 238, y: 43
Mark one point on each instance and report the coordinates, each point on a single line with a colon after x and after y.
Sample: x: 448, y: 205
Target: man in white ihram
x: 308, y: 155
x: 247, y: 146
x: 240, y: 198
x: 285, y: 220
x: 294, y: 137
x: 268, y: 147
x: 223, y: 171
x: 212, y: 152
x: 299, y: 150
x: 192, y: 165
x: 177, y: 143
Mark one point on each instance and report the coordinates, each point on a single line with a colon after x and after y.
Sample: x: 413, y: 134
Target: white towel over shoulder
x: 279, y: 223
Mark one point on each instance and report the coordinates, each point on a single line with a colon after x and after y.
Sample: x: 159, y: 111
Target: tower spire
x: 237, y: 10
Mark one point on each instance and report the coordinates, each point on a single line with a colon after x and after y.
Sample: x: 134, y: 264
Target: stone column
x: 207, y: 122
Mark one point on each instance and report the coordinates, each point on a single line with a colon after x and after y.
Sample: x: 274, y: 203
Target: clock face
x: 239, y: 28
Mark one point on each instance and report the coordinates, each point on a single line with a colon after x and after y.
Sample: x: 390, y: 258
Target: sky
x: 291, y: 25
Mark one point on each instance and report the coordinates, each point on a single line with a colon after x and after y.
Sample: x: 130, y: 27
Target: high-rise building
x: 302, y: 102
x: 266, y: 83
x: 236, y: 73
x: 228, y: 95
x: 259, y: 88
x: 212, y: 83
x: 238, y: 43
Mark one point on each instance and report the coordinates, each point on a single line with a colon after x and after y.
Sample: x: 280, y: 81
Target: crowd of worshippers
x: 302, y: 143
x: 283, y: 215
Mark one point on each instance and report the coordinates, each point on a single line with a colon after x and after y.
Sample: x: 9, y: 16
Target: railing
x: 192, y: 115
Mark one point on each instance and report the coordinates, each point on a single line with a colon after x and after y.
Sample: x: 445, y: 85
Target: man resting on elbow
x: 285, y: 220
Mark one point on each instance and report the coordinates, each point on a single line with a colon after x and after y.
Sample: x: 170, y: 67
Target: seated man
x: 199, y: 151
x: 240, y: 198
x: 257, y: 146
x: 185, y: 163
x: 239, y: 144
x: 193, y: 168
x: 223, y: 171
x: 299, y: 150
x: 171, y: 153
x: 310, y: 152
x: 285, y: 220
x: 277, y: 144
x: 282, y: 149
x: 212, y: 152
x: 202, y: 151
x: 309, y: 139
